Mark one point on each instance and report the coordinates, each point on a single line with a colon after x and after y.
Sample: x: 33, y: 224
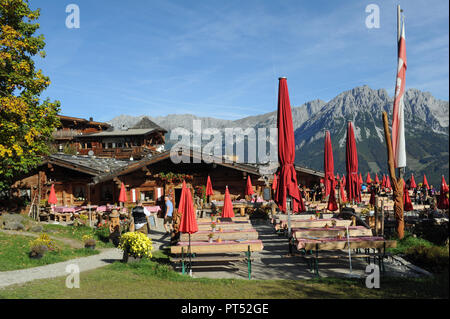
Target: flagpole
x: 401, y: 170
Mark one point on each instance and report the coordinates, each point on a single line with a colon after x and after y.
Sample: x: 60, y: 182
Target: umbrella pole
x: 288, y: 207
x: 190, y: 260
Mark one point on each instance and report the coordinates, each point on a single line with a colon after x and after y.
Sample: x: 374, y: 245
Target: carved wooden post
x: 397, y: 185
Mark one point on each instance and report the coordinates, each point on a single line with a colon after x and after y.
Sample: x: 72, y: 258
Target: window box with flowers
x: 135, y: 246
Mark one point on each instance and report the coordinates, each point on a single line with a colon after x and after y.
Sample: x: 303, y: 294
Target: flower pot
x: 35, y: 256
x: 210, y: 240
x: 127, y: 258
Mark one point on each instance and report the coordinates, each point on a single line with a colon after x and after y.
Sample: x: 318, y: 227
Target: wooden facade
x: 82, y: 180
x: 132, y: 143
x: 71, y: 127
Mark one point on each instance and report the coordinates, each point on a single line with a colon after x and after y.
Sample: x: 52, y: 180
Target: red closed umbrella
x: 181, y: 203
x: 412, y: 183
x: 209, y: 189
x: 328, y: 164
x: 383, y: 182
x: 368, y: 179
x: 274, y: 182
x: 444, y: 185
x: 249, y: 188
x: 388, y: 183
x: 123, y: 194
x: 360, y: 179
x: 188, y: 222
x: 342, y: 191
x: 407, y: 205
x: 337, y: 177
x: 332, y: 204
x: 52, y: 197
x: 227, y: 211
x: 425, y: 182
x: 343, y: 180
x: 351, y: 161
x: 443, y: 202
x: 287, y: 176
x: 377, y: 181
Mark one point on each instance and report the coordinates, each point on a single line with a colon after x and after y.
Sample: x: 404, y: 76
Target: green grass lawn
x: 76, y: 233
x: 423, y: 253
x: 14, y: 251
x: 154, y: 279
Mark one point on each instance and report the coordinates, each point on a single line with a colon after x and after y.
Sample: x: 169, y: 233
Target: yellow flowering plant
x: 136, y: 244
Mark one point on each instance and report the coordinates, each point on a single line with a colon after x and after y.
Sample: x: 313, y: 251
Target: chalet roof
x: 146, y: 123
x: 309, y: 171
x: 133, y: 166
x: 87, y: 164
x: 129, y: 132
x: 81, y: 120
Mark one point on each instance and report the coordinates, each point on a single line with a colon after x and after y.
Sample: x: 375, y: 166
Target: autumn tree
x: 26, y: 120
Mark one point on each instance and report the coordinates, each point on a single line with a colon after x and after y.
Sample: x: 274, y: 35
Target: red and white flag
x: 398, y: 127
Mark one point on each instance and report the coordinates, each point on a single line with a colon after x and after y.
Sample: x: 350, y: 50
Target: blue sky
x: 222, y: 58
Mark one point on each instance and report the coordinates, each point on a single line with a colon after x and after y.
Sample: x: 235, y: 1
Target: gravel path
x: 106, y: 257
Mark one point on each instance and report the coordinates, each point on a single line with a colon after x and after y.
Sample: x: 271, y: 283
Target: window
x: 119, y: 145
x: 110, y: 145
x: 147, y: 196
x: 89, y: 145
x: 103, y: 145
x: 79, y: 192
x: 106, y: 193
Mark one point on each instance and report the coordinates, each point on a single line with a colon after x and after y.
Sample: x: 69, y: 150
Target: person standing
x: 168, y: 216
x: 139, y: 219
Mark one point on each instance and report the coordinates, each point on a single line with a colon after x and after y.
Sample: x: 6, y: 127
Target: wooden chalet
x: 72, y: 178
x: 71, y: 127
x: 144, y: 138
x: 153, y: 177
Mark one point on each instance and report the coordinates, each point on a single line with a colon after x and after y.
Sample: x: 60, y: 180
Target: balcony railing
x: 65, y: 134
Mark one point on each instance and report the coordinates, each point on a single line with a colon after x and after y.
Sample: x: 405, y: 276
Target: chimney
x: 91, y: 119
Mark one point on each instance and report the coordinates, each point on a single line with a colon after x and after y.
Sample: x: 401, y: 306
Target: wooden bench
x: 186, y: 259
x: 227, y: 234
x: 310, y: 249
x: 225, y: 225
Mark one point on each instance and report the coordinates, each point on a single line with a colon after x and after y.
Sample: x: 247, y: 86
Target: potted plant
x: 37, y: 250
x: 333, y: 223
x: 213, y: 226
x: 89, y: 242
x: 210, y: 236
x: 219, y: 240
x: 40, y: 246
x: 135, y: 246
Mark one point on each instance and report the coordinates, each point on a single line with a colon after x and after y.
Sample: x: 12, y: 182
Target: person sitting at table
x: 140, y: 219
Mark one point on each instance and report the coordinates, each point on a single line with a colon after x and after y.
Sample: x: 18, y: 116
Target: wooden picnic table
x: 234, y: 219
x: 227, y: 234
x: 243, y: 205
x: 334, y: 243
x: 225, y: 225
x: 226, y: 246
x: 315, y: 223
x: 322, y: 232
x: 301, y: 216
